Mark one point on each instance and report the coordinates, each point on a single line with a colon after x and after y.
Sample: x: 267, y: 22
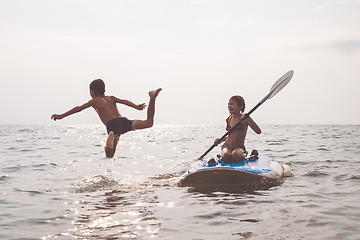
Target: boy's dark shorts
x: 119, y: 125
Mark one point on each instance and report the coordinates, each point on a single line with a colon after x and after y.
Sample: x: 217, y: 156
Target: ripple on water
x: 315, y: 174
x: 142, y: 201
x: 4, y: 177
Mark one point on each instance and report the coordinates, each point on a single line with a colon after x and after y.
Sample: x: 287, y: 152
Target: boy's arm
x: 129, y: 103
x: 72, y: 111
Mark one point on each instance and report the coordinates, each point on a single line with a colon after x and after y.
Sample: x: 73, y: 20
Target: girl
x: 233, y: 150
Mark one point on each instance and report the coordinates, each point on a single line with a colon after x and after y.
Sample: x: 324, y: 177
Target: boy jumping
x: 109, y: 114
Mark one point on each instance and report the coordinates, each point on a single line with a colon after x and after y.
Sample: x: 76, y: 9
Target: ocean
x: 56, y: 183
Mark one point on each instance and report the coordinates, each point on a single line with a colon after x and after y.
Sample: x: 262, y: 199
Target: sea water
x: 55, y: 183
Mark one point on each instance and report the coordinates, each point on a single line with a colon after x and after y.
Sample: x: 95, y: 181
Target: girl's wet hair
x: 240, y: 101
x: 98, y: 86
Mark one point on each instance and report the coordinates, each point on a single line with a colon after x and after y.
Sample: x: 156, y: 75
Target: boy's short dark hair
x: 98, y: 86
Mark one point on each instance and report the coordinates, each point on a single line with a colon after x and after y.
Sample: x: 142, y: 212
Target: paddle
x: 278, y: 85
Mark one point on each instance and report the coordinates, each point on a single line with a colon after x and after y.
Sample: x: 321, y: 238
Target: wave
x: 315, y: 174
x: 3, y: 177
x: 94, y: 184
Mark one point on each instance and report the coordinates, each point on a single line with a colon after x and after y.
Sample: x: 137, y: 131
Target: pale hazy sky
x: 201, y: 52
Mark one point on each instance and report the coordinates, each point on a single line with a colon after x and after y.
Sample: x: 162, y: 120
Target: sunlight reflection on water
x: 56, y: 183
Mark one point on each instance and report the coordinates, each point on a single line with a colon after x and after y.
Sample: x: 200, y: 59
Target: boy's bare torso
x: 105, y: 107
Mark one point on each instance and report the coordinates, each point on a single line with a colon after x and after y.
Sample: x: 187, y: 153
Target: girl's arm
x: 253, y: 125
x: 72, y: 111
x: 129, y: 103
x: 217, y: 141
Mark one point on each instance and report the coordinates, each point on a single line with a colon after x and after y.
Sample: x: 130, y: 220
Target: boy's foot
x: 110, y: 141
x: 154, y: 93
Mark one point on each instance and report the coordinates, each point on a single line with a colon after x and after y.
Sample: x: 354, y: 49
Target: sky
x: 201, y: 52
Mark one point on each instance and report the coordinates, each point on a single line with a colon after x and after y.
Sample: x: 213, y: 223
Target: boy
x: 109, y: 114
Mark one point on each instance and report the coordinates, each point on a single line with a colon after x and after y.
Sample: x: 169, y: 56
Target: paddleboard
x: 263, y: 172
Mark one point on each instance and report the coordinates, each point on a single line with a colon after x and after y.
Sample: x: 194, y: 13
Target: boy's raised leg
x: 149, y: 122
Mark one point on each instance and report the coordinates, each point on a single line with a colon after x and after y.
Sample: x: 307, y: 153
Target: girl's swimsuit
x: 240, y: 126
x: 232, y: 149
x: 119, y: 125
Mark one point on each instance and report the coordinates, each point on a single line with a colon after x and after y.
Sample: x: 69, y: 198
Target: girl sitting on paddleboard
x: 233, y: 150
